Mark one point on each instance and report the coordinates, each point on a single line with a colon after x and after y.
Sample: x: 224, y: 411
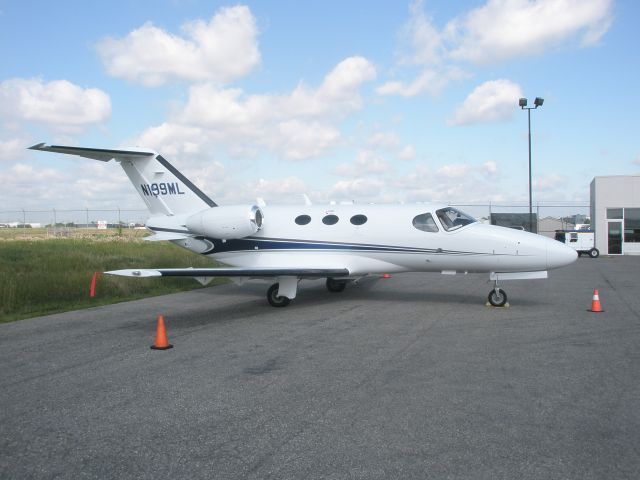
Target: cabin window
x: 330, y: 220
x: 452, y: 219
x: 574, y: 238
x: 425, y: 222
x: 303, y: 219
x: 358, y: 219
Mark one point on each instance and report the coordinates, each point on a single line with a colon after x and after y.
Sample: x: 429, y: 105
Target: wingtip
x: 38, y: 146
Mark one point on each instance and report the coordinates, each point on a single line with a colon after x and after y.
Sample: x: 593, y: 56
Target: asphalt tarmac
x: 408, y: 377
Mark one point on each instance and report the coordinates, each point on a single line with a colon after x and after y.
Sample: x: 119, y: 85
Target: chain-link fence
x: 58, y: 221
x: 546, y: 217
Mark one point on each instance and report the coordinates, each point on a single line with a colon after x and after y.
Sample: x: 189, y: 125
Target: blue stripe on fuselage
x: 251, y: 244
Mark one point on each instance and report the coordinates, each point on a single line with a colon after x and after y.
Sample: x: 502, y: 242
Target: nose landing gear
x: 497, y: 297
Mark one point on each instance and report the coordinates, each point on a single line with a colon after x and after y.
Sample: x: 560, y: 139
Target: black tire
x: 336, y: 286
x: 274, y: 299
x: 594, y: 253
x: 497, y: 299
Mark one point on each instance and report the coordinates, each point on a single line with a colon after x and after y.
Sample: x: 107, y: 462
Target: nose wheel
x: 497, y: 297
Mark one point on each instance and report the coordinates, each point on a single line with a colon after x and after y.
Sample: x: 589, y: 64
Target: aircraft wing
x: 233, y: 272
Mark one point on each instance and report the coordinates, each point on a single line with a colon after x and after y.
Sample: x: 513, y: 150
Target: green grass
x: 39, y: 277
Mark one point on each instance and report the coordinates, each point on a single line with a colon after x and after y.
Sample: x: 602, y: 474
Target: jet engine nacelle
x: 231, y: 222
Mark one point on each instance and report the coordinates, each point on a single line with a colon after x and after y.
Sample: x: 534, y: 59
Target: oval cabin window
x: 303, y: 219
x: 358, y: 219
x: 330, y: 220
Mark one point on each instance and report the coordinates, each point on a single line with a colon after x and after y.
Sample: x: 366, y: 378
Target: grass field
x: 46, y: 274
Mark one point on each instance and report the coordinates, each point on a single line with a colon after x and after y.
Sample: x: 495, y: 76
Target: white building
x: 615, y: 214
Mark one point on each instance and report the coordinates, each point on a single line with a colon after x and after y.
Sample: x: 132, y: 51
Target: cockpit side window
x: 425, y: 222
x: 452, y: 219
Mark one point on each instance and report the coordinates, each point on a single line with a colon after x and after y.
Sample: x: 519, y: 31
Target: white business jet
x: 342, y: 243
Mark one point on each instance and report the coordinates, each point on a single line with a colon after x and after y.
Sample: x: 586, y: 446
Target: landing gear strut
x: 497, y: 297
x: 336, y: 286
x: 274, y: 299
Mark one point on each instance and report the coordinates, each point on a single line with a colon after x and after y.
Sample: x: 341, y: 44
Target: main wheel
x: 274, y: 299
x: 594, y: 253
x: 336, y: 286
x: 497, y: 297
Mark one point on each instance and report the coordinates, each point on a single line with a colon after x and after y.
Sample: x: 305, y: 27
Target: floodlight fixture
x: 522, y: 103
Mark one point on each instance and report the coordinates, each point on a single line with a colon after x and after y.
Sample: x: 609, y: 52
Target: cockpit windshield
x: 452, y: 218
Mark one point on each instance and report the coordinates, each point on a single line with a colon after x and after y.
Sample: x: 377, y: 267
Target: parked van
x: 582, y: 241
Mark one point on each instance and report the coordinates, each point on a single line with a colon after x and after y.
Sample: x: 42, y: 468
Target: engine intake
x: 231, y: 222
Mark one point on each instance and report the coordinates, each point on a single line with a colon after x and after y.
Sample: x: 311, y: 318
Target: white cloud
x: 490, y: 167
x: 283, y: 190
x: 72, y: 185
x: 59, y: 104
x: 424, y: 39
x: 637, y: 160
x: 385, y: 140
x: 454, y: 171
x: 457, y: 183
x: 297, y: 125
x: 13, y: 149
x: 298, y: 140
x: 492, y: 101
x: 549, y: 182
x: 367, y: 163
x: 432, y: 81
x: 363, y: 189
x: 407, y: 153
x: 220, y: 50
x: 497, y: 31
x: 505, y: 29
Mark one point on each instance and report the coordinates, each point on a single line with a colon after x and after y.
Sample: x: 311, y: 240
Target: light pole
x: 523, y: 104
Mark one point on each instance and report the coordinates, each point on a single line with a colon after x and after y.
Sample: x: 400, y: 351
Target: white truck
x: 582, y: 241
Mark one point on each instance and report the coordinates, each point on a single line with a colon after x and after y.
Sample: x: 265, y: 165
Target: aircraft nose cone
x: 559, y: 255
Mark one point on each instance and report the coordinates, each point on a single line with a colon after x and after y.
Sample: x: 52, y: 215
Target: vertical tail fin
x: 161, y: 186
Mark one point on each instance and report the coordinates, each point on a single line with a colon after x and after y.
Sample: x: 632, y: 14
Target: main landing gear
x: 274, y: 299
x: 336, y: 286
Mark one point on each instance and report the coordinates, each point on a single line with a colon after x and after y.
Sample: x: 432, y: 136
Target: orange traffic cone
x: 162, y: 343
x: 595, y: 303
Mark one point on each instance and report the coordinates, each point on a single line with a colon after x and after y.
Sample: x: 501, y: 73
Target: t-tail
x: 164, y: 190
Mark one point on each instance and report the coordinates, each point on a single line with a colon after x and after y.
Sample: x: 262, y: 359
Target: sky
x: 366, y: 101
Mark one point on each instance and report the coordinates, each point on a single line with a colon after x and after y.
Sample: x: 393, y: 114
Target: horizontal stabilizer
x: 102, y: 154
x: 232, y: 272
